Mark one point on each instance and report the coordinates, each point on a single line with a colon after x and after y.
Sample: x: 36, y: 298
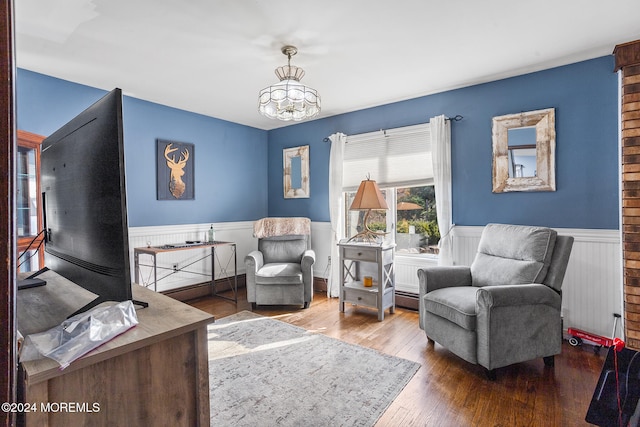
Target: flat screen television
x: 84, y: 202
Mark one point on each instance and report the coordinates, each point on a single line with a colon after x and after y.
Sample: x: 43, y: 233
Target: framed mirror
x: 524, y: 146
x: 296, y: 172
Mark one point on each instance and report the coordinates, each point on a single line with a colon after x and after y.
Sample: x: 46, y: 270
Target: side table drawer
x: 361, y: 298
x: 359, y: 254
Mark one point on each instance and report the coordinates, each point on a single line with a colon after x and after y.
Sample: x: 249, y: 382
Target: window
x: 416, y: 222
x: 402, y: 162
x: 411, y: 214
x: 399, y: 160
x: 29, y: 217
x: 392, y: 158
x: 355, y: 219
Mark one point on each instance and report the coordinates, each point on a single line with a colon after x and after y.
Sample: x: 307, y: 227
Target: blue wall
x: 585, y: 96
x: 230, y: 170
x: 235, y: 183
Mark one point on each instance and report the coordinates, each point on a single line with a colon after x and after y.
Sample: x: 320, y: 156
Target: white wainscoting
x: 321, y: 244
x: 241, y: 233
x: 200, y: 271
x: 406, y: 268
x: 592, y: 288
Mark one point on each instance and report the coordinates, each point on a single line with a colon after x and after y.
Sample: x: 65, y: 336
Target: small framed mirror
x: 296, y: 172
x: 524, y: 146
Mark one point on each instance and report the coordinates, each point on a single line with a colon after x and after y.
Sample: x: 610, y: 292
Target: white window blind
x: 399, y: 157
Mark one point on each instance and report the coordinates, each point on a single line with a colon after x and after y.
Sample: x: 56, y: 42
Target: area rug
x: 264, y: 372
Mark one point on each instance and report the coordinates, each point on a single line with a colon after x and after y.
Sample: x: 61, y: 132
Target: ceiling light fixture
x: 289, y: 99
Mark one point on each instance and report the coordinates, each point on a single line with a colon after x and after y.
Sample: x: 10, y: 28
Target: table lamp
x: 368, y: 198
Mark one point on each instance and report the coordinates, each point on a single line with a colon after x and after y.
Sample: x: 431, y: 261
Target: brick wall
x: 627, y: 58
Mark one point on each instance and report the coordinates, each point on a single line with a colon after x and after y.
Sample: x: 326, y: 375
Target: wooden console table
x: 154, y: 251
x: 156, y: 373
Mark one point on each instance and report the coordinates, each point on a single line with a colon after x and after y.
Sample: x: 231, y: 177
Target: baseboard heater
x: 407, y: 300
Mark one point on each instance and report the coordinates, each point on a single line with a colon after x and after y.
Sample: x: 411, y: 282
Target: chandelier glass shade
x: 289, y: 99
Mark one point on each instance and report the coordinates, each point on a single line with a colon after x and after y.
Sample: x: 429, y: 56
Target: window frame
x: 378, y: 153
x: 390, y: 195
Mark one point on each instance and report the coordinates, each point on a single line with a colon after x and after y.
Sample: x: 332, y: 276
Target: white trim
x: 321, y: 245
x: 195, y: 229
x: 240, y: 232
x: 406, y: 271
x: 579, y: 234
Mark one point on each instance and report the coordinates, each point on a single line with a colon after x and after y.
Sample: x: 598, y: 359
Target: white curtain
x: 441, y: 159
x: 336, y: 209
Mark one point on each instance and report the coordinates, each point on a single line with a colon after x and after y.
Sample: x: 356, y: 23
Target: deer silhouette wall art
x: 176, y: 158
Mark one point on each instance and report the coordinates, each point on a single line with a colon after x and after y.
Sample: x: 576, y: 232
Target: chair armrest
x: 515, y: 295
x: 515, y: 323
x: 306, y: 265
x: 432, y: 278
x: 308, y: 259
x: 254, y: 261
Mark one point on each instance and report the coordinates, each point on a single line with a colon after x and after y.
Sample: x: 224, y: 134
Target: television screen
x: 84, y: 201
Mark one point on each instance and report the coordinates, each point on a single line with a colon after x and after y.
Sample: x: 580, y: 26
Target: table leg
x: 223, y: 271
x: 235, y: 273
x: 155, y: 274
x: 213, y: 270
x: 136, y: 264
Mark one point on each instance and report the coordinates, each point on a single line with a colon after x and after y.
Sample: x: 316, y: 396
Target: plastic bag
x: 80, y: 334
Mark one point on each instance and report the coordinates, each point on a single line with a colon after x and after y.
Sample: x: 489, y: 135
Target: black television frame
x: 84, y: 202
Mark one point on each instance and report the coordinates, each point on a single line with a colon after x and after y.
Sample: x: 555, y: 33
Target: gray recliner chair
x: 280, y: 272
x: 506, y: 307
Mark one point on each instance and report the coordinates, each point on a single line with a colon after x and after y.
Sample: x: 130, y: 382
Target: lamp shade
x: 368, y: 196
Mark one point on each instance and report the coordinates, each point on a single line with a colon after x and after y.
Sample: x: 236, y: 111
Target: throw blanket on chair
x: 269, y: 227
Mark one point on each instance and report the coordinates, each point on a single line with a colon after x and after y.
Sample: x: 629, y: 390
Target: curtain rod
x: 456, y: 118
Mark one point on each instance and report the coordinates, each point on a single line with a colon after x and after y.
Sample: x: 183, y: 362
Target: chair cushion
x: 456, y: 304
x: 512, y: 254
x: 281, y: 273
x: 278, y: 251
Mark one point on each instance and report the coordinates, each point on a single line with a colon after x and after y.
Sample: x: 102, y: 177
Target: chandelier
x: 289, y: 99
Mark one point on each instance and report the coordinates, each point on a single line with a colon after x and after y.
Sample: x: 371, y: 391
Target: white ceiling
x: 213, y: 56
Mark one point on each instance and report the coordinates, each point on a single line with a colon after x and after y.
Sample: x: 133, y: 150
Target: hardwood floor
x: 447, y: 391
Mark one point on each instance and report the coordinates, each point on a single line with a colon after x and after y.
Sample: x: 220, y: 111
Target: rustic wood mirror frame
x: 296, y: 180
x: 545, y: 179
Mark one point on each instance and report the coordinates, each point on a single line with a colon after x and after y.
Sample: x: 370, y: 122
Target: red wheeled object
x: 578, y: 335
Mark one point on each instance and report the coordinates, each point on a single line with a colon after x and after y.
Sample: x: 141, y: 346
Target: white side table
x: 358, y: 260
